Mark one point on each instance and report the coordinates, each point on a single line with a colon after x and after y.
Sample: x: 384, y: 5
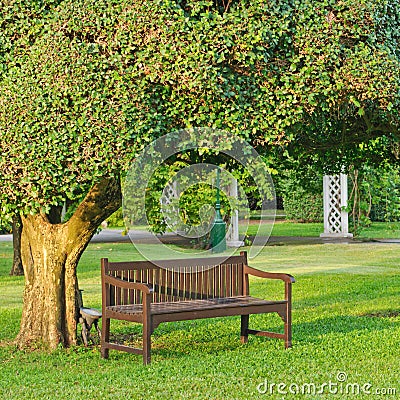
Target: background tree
x: 17, y: 267
x: 347, y: 70
x: 84, y: 86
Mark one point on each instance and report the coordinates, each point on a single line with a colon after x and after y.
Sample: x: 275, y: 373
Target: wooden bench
x: 185, y: 289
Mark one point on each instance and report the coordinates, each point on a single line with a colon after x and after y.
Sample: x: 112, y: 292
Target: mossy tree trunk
x: 50, y: 255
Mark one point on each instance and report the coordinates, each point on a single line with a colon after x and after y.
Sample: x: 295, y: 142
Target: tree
x: 84, y: 86
x: 17, y: 267
x: 350, y: 85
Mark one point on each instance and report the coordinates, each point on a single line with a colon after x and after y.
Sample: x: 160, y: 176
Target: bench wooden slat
x: 195, y: 305
x: 235, y: 290
x: 190, y: 283
x: 172, y: 264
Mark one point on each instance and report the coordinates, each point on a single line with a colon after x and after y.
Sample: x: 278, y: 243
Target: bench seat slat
x: 194, y: 305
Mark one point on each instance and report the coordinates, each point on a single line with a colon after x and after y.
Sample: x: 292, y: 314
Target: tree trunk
x: 50, y: 255
x: 17, y: 268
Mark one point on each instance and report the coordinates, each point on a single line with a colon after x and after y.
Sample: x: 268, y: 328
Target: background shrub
x: 302, y: 206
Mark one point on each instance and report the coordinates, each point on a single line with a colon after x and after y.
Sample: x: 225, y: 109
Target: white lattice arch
x: 233, y: 231
x: 169, y: 206
x: 335, y: 201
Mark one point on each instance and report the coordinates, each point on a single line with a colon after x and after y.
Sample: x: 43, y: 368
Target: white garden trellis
x: 335, y: 202
x: 232, y: 239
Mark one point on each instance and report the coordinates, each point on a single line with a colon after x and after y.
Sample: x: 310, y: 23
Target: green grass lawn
x: 345, y: 321
x: 383, y: 230
x: 377, y: 230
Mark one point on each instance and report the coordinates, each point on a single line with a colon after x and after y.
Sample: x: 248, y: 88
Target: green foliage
x: 5, y: 223
x: 4, y: 228
x: 301, y: 189
x: 194, y: 207
x: 375, y: 195
x: 385, y: 192
x: 180, y: 193
x: 338, y: 58
x: 196, y: 201
x: 360, y: 202
x: 302, y: 206
x: 116, y: 220
x: 84, y: 85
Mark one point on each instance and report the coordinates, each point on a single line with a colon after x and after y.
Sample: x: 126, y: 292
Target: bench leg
x: 105, y: 336
x: 288, y: 319
x: 244, y: 326
x: 288, y: 328
x: 147, y: 330
x: 146, y: 346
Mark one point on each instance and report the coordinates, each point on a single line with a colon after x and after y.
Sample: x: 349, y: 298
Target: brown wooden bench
x: 185, y: 289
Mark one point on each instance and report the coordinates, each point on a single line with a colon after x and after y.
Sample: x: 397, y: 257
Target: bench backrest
x: 177, y: 280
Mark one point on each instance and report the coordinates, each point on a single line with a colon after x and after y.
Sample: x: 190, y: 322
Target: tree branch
x: 103, y: 199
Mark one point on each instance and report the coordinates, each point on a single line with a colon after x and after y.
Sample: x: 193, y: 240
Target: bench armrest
x: 269, y: 275
x: 144, y: 287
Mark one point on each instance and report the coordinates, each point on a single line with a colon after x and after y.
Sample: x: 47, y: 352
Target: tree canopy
x: 84, y: 86
x: 350, y: 72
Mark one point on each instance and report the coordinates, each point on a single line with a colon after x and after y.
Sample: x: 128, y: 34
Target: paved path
x: 5, y: 238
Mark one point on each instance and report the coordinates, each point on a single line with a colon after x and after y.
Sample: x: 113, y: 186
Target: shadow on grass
x: 206, y: 336
x: 213, y: 336
x: 344, y: 291
x: 315, y: 331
